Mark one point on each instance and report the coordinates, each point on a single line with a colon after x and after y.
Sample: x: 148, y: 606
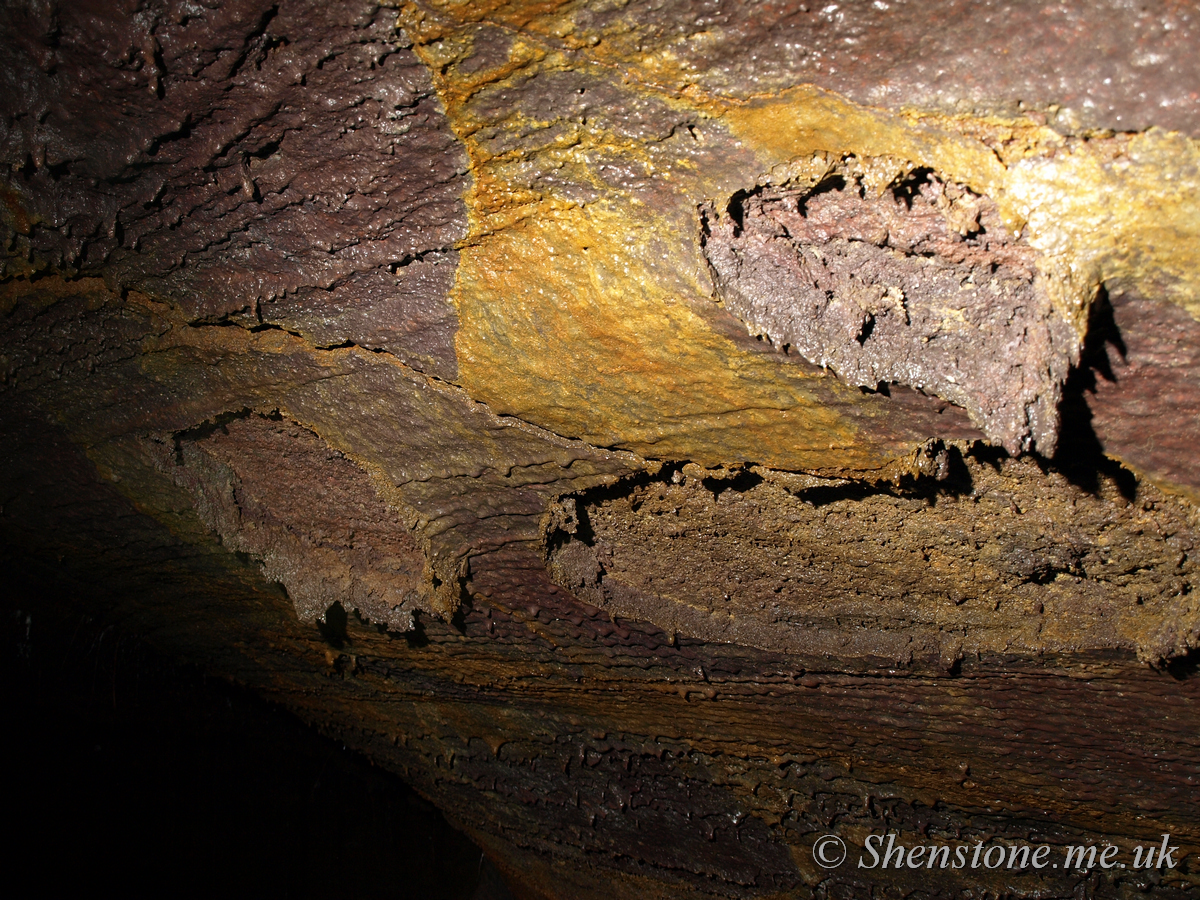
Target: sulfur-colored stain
x: 1127, y: 207
x: 807, y: 120
x: 578, y: 289
x: 591, y: 336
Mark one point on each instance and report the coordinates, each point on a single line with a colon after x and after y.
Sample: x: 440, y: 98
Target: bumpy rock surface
x: 423, y: 368
x: 279, y: 165
x: 919, y: 286
x: 976, y: 563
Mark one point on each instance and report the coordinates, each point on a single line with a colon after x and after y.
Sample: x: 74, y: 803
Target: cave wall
x: 663, y: 433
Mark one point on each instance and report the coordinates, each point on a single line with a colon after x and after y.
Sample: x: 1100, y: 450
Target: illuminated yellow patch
x: 584, y: 316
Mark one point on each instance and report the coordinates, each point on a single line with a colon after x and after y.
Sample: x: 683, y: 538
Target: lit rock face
x: 916, y: 284
x: 658, y: 459
x: 268, y: 165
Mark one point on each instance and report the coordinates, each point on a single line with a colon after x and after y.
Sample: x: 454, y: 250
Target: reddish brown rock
x: 921, y: 286
x: 1104, y: 65
x: 409, y: 331
x: 248, y: 160
x: 1142, y: 387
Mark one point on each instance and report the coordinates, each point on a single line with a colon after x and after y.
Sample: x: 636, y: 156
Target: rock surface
x: 919, y: 286
x: 423, y: 369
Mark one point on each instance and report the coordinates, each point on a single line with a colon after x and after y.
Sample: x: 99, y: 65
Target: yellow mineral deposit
x: 588, y: 318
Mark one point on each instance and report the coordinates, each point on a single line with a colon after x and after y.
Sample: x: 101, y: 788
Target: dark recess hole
x: 988, y: 454
x: 834, y: 183
x: 741, y: 482
x: 333, y: 624
x: 952, y: 479
x: 415, y: 637
x: 583, y: 526
x: 182, y: 133
x: 910, y: 187
x: 864, y: 333
x: 736, y: 211
x: 459, y: 620
x: 266, y: 151
x: 598, y: 495
x: 1184, y: 667
x: 957, y: 478
x: 199, y: 432
x: 882, y: 388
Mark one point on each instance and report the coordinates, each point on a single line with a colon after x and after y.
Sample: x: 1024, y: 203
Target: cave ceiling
x: 662, y: 432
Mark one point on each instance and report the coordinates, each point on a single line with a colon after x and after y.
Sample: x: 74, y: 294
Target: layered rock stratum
x: 664, y: 433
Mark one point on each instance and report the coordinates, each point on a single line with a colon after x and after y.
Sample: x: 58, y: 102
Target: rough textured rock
x: 1145, y: 363
x: 285, y: 165
x: 993, y: 557
x: 1099, y: 65
x: 917, y: 284
x: 404, y: 320
x: 277, y: 492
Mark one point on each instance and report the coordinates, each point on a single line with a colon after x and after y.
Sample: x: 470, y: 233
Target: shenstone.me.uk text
x: 883, y: 851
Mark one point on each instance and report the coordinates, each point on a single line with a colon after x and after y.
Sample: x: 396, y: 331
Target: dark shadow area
x: 130, y: 773
x: 594, y: 496
x: 908, y: 188
x: 740, y: 482
x: 1184, y: 667
x: 415, y: 637
x: 988, y: 454
x: 948, y: 475
x: 1080, y: 455
x: 332, y: 626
